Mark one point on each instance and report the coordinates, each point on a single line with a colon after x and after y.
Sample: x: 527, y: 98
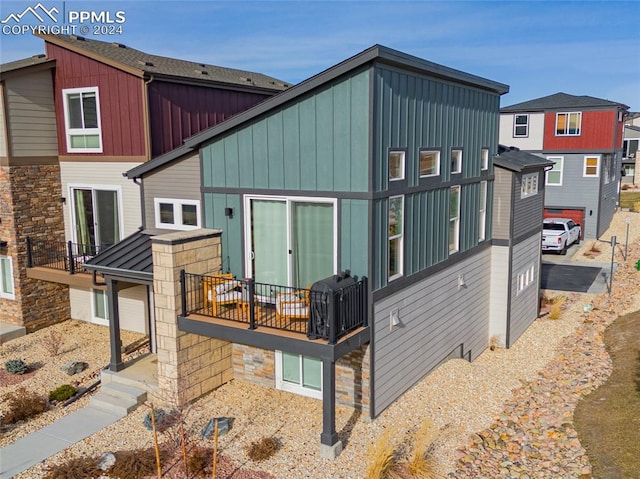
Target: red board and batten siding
x: 596, y: 133
x: 178, y: 111
x: 121, y: 105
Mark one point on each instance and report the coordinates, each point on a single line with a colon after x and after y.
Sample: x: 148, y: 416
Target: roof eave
x: 24, y: 70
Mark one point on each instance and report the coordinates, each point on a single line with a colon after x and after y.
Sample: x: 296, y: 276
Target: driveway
x: 561, y: 273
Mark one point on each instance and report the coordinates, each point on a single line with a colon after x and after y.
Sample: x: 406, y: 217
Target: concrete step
x: 118, y: 398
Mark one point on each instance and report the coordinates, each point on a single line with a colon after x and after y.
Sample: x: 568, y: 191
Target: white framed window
x: 454, y: 219
x: 97, y: 218
x: 396, y: 165
x: 82, y: 120
x: 568, y: 124
x: 299, y: 374
x: 7, y: 288
x: 429, y: 163
x: 629, y: 148
x: 396, y: 232
x: 482, y: 212
x: 456, y: 161
x: 99, y: 307
x: 529, y: 186
x: 177, y: 214
x: 520, y: 126
x: 554, y: 175
x: 525, y: 278
x: 591, y: 166
x: 484, y: 157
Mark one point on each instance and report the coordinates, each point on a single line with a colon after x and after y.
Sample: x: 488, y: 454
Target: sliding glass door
x: 292, y: 241
x: 96, y: 216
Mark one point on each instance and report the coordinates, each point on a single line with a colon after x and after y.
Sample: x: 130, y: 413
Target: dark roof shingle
x: 513, y: 159
x: 25, y: 62
x: 559, y: 101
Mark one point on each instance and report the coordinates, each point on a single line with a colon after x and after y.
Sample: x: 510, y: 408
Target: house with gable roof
x: 115, y: 108
x: 583, y: 137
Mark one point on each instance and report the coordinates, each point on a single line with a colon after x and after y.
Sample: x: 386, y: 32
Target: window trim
x: 556, y: 160
x: 93, y: 188
x: 516, y: 125
x: 568, y: 122
x: 402, y: 164
x: 529, y: 186
x: 429, y: 150
x: 94, y: 299
x: 482, y: 212
x: 584, y: 166
x: 69, y: 132
x: 455, y: 219
x: 4, y: 295
x: 283, y: 385
x: 458, y: 169
x: 400, y: 238
x: 177, y: 212
x: 484, y: 159
x: 525, y: 278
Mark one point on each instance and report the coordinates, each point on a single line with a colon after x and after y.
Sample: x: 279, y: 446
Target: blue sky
x: 536, y: 47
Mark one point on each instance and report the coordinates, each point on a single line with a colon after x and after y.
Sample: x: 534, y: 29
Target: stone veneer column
x: 189, y: 365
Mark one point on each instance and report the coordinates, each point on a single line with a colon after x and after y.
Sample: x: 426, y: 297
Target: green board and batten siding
x: 314, y: 146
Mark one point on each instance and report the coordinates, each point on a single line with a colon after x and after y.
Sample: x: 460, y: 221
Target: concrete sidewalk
x: 39, y: 445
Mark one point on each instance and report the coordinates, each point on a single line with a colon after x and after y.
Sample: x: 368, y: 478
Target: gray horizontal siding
x: 31, y: 115
x: 527, y: 211
x: 524, y: 306
x: 436, y: 319
x: 179, y: 180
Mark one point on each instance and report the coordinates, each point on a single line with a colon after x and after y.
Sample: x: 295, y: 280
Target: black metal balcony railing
x: 60, y: 255
x: 327, y: 315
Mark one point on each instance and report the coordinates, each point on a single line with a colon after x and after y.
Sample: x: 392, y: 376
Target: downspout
x: 94, y: 279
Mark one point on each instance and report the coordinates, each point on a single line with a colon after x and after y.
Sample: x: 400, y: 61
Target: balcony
x: 60, y: 261
x: 244, y: 310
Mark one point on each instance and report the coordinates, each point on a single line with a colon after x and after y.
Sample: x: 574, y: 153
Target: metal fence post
x: 613, y: 253
x: 72, y: 263
x: 251, y: 284
x: 183, y: 295
x: 332, y: 319
x: 29, y: 254
x: 364, y: 307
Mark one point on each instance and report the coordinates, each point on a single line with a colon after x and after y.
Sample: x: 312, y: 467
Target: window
x: 177, y: 214
x: 96, y: 215
x: 429, y: 163
x: 520, y: 126
x: 568, y: 124
x: 526, y: 278
x: 591, y: 166
x: 629, y: 148
x: 554, y: 175
x: 82, y: 120
x: 396, y: 212
x: 6, y: 278
x: 454, y: 219
x: 608, y: 169
x: 484, y: 156
x: 456, y: 161
x: 99, y: 306
x: 396, y: 165
x: 299, y: 374
x: 529, y: 185
x: 482, y: 212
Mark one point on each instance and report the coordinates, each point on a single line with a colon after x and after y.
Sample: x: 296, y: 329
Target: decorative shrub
x: 16, y: 366
x: 200, y: 460
x: 263, y: 449
x: 74, y: 469
x: 136, y: 464
x: 381, y: 459
x: 62, y: 393
x: 23, y: 404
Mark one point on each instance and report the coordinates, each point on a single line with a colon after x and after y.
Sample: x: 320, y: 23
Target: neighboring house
x: 115, y: 108
x: 518, y: 205
x: 381, y: 165
x: 29, y: 192
x: 582, y: 136
x: 630, y: 156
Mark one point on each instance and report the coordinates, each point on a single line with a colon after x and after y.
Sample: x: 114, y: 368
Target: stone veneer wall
x: 257, y: 365
x: 189, y: 365
x: 30, y: 206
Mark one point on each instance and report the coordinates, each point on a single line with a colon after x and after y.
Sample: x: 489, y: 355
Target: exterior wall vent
x: 119, y: 45
x: 79, y: 38
x: 202, y: 72
x: 146, y: 63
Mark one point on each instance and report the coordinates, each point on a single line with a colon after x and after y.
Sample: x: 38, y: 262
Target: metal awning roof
x: 130, y: 259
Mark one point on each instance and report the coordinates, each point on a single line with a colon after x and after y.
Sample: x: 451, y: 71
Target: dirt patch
x: 607, y: 420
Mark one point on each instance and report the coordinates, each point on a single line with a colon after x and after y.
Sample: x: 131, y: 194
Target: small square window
x: 520, y: 126
x: 396, y: 165
x: 177, y: 214
x: 429, y: 163
x: 456, y: 161
x: 166, y: 213
x: 591, y: 166
x: 189, y: 215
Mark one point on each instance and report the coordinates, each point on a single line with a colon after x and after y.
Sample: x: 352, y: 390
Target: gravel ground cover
x: 503, y: 415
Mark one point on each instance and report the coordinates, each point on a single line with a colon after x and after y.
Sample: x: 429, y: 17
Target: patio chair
x: 221, y: 289
x: 292, y: 305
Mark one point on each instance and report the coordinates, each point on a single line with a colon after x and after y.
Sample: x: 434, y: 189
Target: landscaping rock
x: 223, y: 427
x: 74, y: 367
x: 107, y: 461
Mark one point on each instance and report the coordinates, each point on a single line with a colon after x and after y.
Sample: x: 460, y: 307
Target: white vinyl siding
x: 533, y: 142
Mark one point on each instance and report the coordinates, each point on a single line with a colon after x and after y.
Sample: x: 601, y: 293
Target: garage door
x: 577, y: 215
